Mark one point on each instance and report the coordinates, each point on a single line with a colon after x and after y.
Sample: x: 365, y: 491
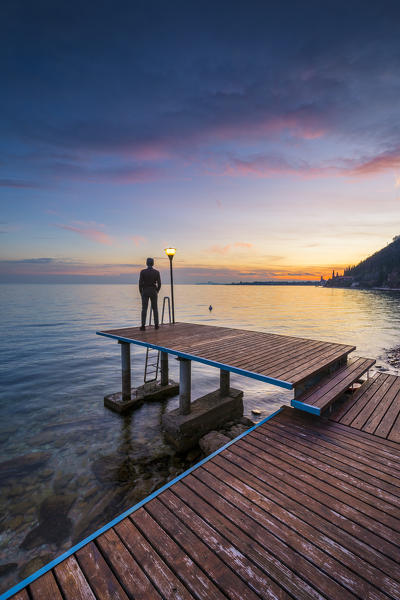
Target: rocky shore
x: 213, y: 440
x: 393, y: 357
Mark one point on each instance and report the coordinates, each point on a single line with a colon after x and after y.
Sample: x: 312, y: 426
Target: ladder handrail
x: 163, y: 309
x: 165, y: 299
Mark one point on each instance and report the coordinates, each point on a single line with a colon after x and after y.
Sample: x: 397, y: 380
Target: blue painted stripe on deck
x: 211, y: 363
x: 314, y: 410
x: 125, y: 514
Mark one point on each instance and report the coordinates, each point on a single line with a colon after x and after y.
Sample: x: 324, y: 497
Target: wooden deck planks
x: 328, y: 391
x: 126, y: 568
x: 298, y: 508
x: 194, y: 578
x: 221, y: 574
x: 102, y: 579
x: 234, y: 544
x: 310, y: 543
x: 351, y: 475
x: 320, y: 478
x: 348, y: 446
x: 342, y: 409
x: 22, y: 595
x: 360, y: 460
x: 45, y: 588
x: 72, y: 582
x: 383, y: 421
x: 286, y: 358
x: 394, y: 433
x: 241, y: 474
x: 374, y: 409
x: 158, y: 572
x: 309, y: 487
x: 249, y: 578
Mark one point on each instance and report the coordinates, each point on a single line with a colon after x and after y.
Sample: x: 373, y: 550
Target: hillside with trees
x: 382, y: 269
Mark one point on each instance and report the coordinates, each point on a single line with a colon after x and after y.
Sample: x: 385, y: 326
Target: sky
x: 261, y: 139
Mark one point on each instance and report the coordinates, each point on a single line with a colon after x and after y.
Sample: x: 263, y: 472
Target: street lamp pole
x: 170, y: 252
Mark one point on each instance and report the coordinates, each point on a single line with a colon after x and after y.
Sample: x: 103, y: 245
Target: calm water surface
x: 68, y: 465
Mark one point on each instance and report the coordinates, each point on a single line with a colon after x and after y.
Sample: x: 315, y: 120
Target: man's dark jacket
x: 149, y: 280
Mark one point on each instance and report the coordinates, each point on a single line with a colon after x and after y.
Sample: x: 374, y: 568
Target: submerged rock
x: 246, y: 421
x: 22, y: 465
x: 54, y: 525
x: 210, y: 442
x: 46, y: 474
x: 102, y: 511
x: 55, y: 505
x: 61, y: 482
x: 236, y: 430
x: 193, y: 454
x: 7, y: 568
x: 16, y: 522
x: 34, y: 564
x: 111, y: 469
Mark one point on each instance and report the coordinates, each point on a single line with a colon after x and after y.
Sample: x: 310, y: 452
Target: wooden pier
x: 281, y: 360
x: 296, y: 507
x: 317, y: 371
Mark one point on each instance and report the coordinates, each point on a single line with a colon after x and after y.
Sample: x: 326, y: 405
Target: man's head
x: 150, y: 262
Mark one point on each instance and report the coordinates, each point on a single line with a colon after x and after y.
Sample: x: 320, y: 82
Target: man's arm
x: 158, y: 282
x: 141, y: 283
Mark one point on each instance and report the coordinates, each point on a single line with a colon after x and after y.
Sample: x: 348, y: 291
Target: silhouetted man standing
x: 149, y: 286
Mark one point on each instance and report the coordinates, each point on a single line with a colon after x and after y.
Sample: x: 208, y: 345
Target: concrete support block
x: 185, y: 382
x: 224, y: 382
x: 148, y: 391
x: 164, y: 368
x: 126, y: 370
x: 207, y: 413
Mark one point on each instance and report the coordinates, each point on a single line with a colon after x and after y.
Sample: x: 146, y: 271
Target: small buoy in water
x: 210, y: 308
x: 255, y: 411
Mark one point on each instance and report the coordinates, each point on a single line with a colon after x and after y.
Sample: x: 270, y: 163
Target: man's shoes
x: 143, y: 328
x: 156, y: 327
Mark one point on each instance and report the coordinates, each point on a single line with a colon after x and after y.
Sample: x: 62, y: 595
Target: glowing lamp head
x: 170, y: 252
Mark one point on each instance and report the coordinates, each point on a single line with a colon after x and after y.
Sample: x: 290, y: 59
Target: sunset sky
x: 261, y: 139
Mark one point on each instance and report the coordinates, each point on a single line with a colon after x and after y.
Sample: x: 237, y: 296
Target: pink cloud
x: 384, y: 161
x: 299, y: 124
x: 243, y: 245
x: 216, y: 249
x: 268, y: 166
x: 137, y: 239
x: 89, y: 233
x: 151, y: 151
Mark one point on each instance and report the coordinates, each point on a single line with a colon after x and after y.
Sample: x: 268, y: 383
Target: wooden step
x: 319, y: 398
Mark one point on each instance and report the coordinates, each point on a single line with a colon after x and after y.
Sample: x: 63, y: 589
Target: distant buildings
x: 343, y: 281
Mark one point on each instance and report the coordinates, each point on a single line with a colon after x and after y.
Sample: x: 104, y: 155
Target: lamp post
x: 170, y: 252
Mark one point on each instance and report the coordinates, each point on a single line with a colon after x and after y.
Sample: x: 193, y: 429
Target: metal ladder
x: 152, y: 364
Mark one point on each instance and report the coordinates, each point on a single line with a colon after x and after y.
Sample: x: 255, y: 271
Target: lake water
x: 68, y: 465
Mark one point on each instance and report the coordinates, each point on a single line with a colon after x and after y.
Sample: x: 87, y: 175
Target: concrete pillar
x: 224, y: 382
x: 126, y: 370
x: 164, y: 368
x: 185, y: 380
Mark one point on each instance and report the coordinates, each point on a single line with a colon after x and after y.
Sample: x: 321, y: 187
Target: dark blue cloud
x: 150, y: 79
x: 15, y: 183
